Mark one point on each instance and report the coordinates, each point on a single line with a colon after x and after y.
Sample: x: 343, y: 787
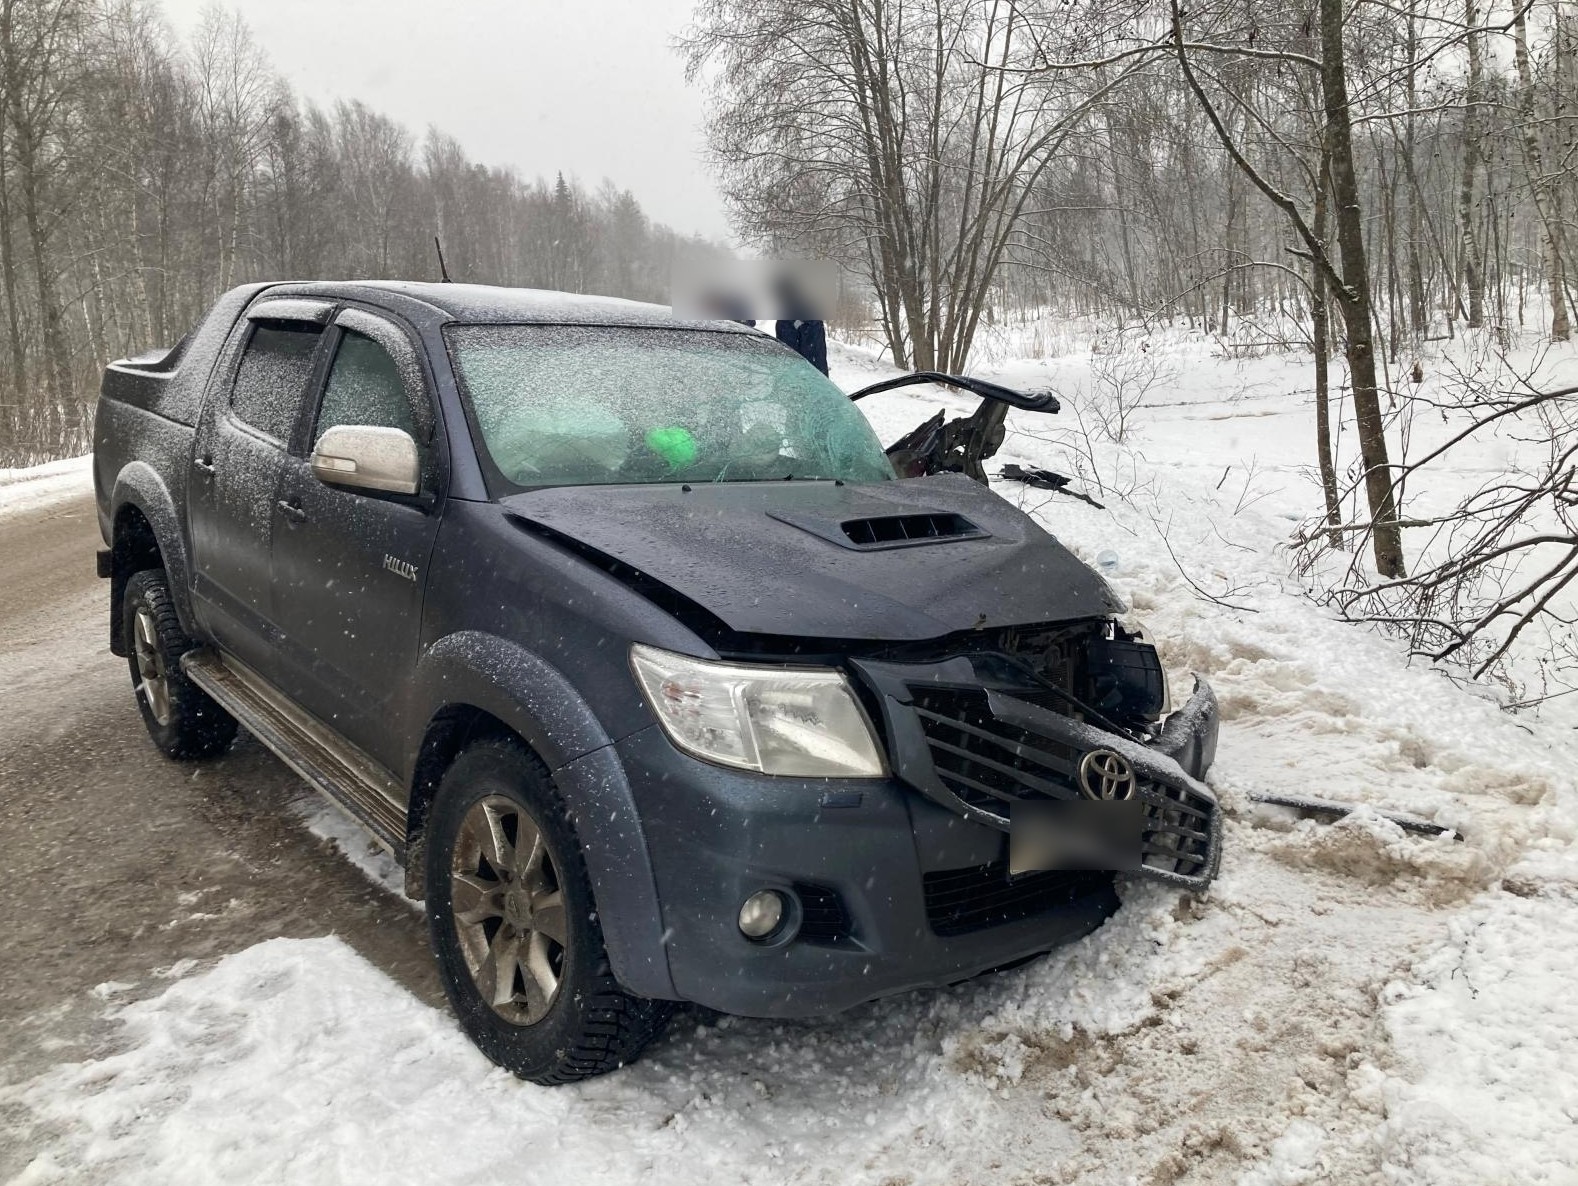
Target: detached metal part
x: 1039, y: 401
x: 941, y: 445
x: 1330, y: 810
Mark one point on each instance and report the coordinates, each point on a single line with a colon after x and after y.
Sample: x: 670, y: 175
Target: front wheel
x: 514, y: 927
x: 183, y: 720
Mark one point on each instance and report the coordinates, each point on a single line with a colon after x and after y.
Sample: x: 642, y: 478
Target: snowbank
x: 296, y: 1061
x: 39, y: 486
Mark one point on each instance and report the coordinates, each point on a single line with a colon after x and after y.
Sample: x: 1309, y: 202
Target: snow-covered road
x: 1349, y: 1003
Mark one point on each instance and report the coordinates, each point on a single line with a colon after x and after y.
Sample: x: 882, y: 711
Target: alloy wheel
x: 150, y: 665
x: 508, y: 909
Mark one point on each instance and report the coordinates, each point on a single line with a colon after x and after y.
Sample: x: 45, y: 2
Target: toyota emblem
x: 1107, y: 776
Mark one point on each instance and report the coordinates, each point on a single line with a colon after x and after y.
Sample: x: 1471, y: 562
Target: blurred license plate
x: 1075, y: 834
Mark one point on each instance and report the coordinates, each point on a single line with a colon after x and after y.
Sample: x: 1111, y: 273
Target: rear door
x: 350, y: 565
x: 233, y: 497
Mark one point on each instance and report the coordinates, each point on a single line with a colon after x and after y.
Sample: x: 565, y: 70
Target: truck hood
x: 893, y: 561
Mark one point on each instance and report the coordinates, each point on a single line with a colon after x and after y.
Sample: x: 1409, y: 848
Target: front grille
x: 990, y: 764
x: 959, y: 901
x: 823, y: 917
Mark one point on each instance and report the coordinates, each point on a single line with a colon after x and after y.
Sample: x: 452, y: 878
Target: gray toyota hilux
x: 625, y: 635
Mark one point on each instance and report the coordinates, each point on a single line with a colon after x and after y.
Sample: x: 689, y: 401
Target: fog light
x: 761, y: 914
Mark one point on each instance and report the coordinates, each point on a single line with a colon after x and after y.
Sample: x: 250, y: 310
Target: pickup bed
x: 623, y: 633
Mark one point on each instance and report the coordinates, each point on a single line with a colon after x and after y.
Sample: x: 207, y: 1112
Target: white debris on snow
x: 1350, y: 1003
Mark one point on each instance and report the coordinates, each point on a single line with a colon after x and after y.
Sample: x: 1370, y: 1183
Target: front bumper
x: 889, y: 890
x: 977, y: 745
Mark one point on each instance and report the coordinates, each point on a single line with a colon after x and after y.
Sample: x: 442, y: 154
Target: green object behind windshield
x: 571, y: 405
x: 674, y: 445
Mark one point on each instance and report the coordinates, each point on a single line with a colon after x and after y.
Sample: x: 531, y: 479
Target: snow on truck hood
x: 896, y: 561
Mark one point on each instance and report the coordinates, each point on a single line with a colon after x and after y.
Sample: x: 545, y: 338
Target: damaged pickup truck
x: 625, y: 635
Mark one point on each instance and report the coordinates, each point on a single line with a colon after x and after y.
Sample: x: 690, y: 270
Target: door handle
x: 292, y: 512
x: 206, y: 464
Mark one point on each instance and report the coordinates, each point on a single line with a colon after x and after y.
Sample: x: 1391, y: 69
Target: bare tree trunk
x: 1201, y: 297
x: 28, y: 140
x: 8, y: 259
x: 1419, y: 319
x: 1454, y: 301
x: 1320, y: 324
x: 1394, y: 284
x: 1227, y: 243
x: 885, y: 163
x: 1562, y: 126
x: 1120, y: 198
x: 1544, y: 199
x: 1471, y: 266
x: 1499, y: 254
x: 57, y: 354
x: 1354, y: 299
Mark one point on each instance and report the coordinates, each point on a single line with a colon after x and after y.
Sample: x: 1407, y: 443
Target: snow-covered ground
x: 1348, y: 1003
x: 40, y: 485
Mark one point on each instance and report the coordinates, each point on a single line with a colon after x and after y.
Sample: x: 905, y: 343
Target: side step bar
x: 332, y: 766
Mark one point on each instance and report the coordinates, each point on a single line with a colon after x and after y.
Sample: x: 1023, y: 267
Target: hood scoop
x: 874, y: 533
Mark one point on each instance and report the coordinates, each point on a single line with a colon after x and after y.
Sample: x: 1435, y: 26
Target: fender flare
x: 535, y: 699
x: 139, y: 485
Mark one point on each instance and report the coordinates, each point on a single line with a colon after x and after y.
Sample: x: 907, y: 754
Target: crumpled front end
x: 914, y: 877
x: 983, y: 736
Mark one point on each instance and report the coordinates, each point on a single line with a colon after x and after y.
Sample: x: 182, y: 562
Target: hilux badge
x: 401, y: 568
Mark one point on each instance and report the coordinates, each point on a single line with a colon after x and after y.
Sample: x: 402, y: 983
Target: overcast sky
x: 590, y: 87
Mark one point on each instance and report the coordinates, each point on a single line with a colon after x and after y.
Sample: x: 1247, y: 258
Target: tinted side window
x: 272, y: 378
x: 364, y: 388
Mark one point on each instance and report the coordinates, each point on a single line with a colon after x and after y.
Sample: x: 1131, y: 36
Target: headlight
x: 802, y: 721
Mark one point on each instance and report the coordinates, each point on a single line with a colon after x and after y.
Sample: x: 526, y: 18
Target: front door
x: 350, y: 565
x: 239, y: 458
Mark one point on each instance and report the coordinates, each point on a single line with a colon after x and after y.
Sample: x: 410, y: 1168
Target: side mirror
x: 368, y: 458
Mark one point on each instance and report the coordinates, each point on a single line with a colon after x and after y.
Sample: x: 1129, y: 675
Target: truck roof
x: 486, y: 304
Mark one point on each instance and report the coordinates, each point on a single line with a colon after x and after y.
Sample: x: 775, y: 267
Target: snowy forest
x: 972, y: 158
x: 140, y: 177
x: 965, y: 159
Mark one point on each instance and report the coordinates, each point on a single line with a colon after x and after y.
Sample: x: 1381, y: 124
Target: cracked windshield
x: 585, y: 405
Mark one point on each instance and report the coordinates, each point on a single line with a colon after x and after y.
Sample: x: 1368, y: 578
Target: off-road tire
x: 591, y: 1026
x: 194, y: 726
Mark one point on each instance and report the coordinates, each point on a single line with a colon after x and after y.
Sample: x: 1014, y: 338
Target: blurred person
x: 797, y: 328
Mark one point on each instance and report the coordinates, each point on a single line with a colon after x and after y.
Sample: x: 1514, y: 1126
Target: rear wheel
x: 183, y: 720
x: 514, y: 927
